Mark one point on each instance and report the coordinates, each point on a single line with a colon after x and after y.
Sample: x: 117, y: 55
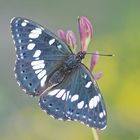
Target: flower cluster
x: 86, y: 34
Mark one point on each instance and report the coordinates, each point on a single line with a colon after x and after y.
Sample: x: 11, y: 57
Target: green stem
x: 95, y: 134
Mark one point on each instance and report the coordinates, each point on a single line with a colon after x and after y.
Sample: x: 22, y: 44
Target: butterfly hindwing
x: 39, y: 53
x: 77, y: 98
x: 52, y: 101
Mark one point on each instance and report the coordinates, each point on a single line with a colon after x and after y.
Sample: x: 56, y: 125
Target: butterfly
x: 47, y: 67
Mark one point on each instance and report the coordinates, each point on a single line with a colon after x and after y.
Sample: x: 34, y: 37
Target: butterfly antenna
x: 101, y: 54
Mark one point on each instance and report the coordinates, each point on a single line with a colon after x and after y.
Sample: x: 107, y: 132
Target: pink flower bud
x: 71, y: 39
x: 98, y: 75
x: 62, y: 35
x: 86, y: 32
x: 94, y: 60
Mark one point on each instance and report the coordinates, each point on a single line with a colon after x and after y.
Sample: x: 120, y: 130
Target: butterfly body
x: 69, y: 65
x: 46, y: 66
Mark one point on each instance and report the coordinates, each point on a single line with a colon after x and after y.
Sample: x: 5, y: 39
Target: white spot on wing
x: 18, y: 83
x: 37, y: 58
x: 37, y: 62
x: 38, y: 71
x: 35, y: 33
x: 69, y: 96
x: 80, y: 105
x: 53, y: 92
x: 93, y: 102
x: 104, y: 112
x: 64, y: 97
x: 97, y: 98
x: 12, y: 36
x: 88, y: 84
x: 41, y: 74
x: 31, y: 46
x: 14, y: 42
x: 89, y: 119
x: 60, y: 119
x: 43, y: 80
x: 24, y: 89
x: 74, y: 97
x: 82, y: 122
x: 12, y: 19
x: 44, y: 110
x: 32, y: 35
x: 40, y: 66
x: 103, y: 127
x: 37, y: 53
x: 77, y: 114
x: 17, y: 35
x: 60, y: 93
x: 23, y: 24
x: 51, y: 41
x: 68, y: 92
x: 15, y: 75
x: 84, y: 116
x: 75, y: 119
x: 41, y: 28
x: 19, y: 40
x: 26, y: 21
x: 59, y: 46
x: 86, y: 106
x: 85, y: 76
x: 101, y: 115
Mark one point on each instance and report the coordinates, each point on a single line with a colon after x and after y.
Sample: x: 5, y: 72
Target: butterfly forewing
x: 39, y: 54
x: 77, y: 98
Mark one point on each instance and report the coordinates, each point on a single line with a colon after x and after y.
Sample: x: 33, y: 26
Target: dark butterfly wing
x: 39, y: 54
x: 77, y: 98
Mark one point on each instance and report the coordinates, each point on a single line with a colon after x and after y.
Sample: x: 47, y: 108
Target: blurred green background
x: 116, y: 30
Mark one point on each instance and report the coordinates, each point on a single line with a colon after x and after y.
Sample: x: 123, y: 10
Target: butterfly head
x: 80, y: 55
